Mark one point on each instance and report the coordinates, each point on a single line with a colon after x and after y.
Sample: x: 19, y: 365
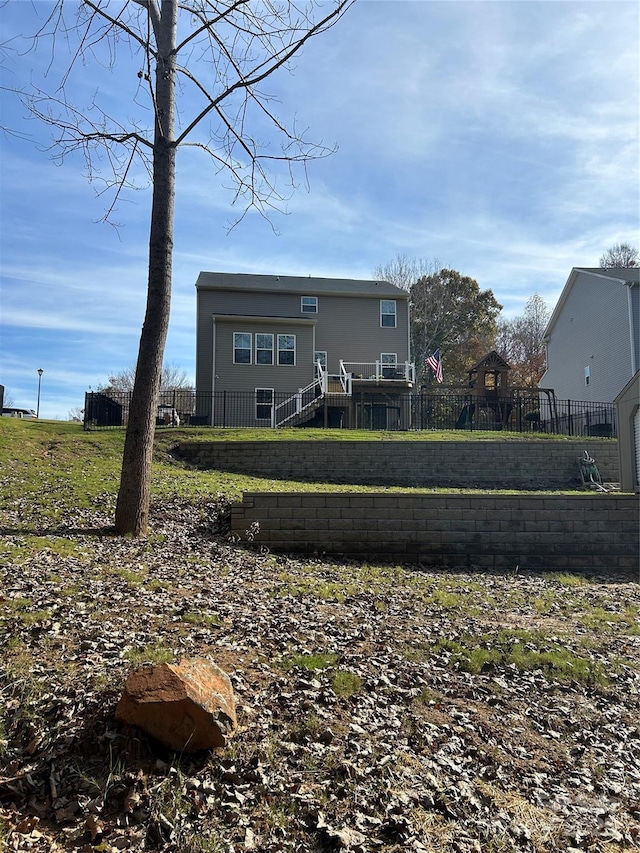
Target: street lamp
x: 40, y: 372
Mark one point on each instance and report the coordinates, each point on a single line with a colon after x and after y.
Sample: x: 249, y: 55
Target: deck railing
x: 379, y: 371
x: 346, y: 379
x: 295, y: 404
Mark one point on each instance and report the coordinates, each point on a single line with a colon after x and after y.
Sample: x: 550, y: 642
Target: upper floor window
x: 286, y: 349
x: 320, y: 356
x: 309, y: 304
x: 242, y: 347
x: 587, y: 376
x: 388, y: 313
x: 264, y: 348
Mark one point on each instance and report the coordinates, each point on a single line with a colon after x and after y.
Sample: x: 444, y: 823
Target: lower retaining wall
x: 586, y: 533
x: 511, y: 464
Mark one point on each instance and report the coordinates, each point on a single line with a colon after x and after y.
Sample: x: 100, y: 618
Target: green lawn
x: 51, y: 468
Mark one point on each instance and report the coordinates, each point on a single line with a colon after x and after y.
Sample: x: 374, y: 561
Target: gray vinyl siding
x: 591, y: 330
x: 248, y: 377
x: 346, y: 326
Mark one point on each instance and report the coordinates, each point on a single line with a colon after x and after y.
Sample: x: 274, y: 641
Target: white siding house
x: 593, y: 336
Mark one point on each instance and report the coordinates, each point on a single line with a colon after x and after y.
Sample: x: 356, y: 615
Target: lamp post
x: 40, y: 372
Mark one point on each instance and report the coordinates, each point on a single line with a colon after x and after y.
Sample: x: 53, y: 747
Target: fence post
x: 569, y: 418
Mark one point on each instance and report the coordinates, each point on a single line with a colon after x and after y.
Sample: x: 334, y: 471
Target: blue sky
x: 501, y: 138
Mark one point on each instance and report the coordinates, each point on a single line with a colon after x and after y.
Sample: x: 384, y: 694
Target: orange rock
x: 187, y: 706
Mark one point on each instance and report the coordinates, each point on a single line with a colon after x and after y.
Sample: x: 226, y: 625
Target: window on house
x: 264, y: 403
x: 286, y: 349
x: 264, y: 349
x: 388, y: 313
x: 388, y: 361
x: 309, y: 304
x: 242, y: 347
x: 587, y: 375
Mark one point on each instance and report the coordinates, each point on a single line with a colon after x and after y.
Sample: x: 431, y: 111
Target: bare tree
x: 619, y: 255
x: 404, y: 271
x: 172, y: 378
x: 221, y: 50
x: 521, y: 342
x: 76, y: 414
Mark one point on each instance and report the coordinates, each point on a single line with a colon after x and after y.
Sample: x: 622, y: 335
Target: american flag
x: 435, y: 363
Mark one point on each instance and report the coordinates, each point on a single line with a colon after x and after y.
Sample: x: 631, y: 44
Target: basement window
x: 264, y: 404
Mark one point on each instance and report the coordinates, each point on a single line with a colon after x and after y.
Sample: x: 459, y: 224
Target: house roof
x: 299, y: 284
x: 632, y: 387
x: 491, y: 361
x: 622, y: 275
x: 630, y: 275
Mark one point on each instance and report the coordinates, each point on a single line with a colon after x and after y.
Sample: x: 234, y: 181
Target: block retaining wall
x: 596, y: 533
x: 509, y: 464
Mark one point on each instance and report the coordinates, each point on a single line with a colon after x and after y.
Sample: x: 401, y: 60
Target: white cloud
x: 498, y: 137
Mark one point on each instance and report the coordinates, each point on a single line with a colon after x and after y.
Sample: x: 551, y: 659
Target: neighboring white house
x: 593, y: 336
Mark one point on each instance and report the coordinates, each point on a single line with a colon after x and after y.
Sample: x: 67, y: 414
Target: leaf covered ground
x: 381, y: 708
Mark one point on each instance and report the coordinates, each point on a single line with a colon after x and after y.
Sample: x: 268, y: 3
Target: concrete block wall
x: 513, y: 464
x: 597, y: 533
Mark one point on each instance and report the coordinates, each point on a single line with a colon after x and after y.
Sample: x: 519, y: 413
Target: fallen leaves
x: 380, y: 708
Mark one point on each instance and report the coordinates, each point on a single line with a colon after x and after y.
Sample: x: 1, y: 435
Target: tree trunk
x: 132, y: 509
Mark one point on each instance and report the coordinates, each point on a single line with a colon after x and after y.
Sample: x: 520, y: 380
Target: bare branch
x: 72, y: 126
x: 154, y: 14
x: 116, y: 22
x: 264, y: 69
x: 207, y: 23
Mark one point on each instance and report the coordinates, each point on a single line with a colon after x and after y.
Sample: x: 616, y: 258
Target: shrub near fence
x: 426, y: 411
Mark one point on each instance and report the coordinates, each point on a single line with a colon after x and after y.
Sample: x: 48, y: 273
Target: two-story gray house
x: 298, y: 348
x: 593, y: 335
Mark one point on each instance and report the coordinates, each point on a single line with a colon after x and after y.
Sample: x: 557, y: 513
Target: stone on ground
x: 187, y: 706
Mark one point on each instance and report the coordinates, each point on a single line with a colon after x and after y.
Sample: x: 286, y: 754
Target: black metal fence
x: 532, y: 413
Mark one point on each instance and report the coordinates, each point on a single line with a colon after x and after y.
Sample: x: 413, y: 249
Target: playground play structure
x: 491, y: 401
